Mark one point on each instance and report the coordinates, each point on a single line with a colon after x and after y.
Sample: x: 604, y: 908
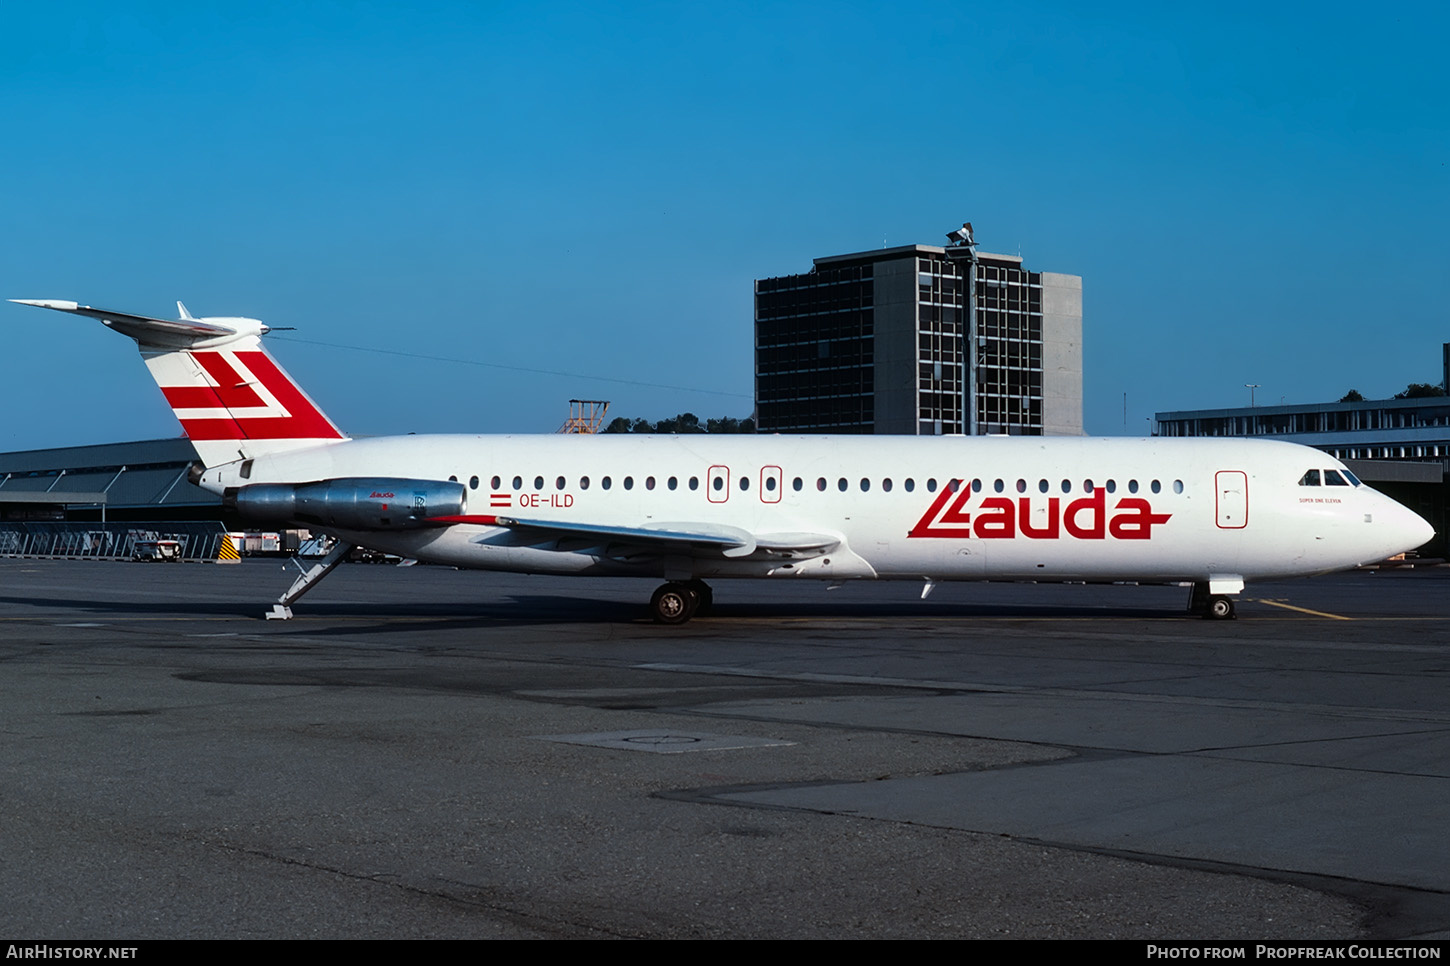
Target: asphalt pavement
x: 425, y: 752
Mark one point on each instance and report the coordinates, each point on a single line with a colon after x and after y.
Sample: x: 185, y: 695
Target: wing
x: 698, y: 540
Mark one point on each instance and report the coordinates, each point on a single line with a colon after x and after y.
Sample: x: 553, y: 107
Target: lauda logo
x: 1002, y: 518
x: 381, y: 496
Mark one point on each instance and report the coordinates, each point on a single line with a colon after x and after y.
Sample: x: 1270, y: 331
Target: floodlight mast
x: 962, y: 247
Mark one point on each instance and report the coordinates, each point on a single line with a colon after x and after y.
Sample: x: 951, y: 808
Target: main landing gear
x: 282, y: 610
x: 1215, y: 607
x: 678, y: 601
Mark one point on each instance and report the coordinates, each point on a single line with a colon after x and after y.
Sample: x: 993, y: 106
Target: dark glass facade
x: 814, y: 342
x: 833, y: 345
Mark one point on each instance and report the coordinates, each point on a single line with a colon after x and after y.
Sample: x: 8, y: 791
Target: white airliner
x: 1212, y: 513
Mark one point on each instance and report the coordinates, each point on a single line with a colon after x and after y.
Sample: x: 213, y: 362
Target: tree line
x: 683, y: 423
x: 1415, y: 390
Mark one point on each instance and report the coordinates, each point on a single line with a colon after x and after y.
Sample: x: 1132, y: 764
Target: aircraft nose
x: 1411, y: 530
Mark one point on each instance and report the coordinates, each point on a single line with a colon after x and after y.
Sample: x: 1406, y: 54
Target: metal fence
x: 111, y: 541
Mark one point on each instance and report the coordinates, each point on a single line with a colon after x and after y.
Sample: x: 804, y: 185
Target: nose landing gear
x: 1216, y: 607
x: 1220, y: 608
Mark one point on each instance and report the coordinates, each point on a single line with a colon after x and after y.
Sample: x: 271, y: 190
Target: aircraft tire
x: 674, y: 603
x: 704, y: 595
x: 1220, y: 608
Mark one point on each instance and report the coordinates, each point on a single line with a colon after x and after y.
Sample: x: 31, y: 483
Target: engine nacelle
x: 360, y: 503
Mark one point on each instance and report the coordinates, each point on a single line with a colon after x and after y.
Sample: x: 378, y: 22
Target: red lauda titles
x: 1003, y: 518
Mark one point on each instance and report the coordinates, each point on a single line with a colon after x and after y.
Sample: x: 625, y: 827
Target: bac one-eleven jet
x: 1212, y: 513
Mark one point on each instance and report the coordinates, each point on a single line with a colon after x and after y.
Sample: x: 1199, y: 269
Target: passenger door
x: 1231, y: 497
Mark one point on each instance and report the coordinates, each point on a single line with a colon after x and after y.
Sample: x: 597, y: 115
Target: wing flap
x: 796, y: 544
x: 688, y: 539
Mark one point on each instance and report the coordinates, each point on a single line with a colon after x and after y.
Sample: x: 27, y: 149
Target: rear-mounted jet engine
x: 363, y: 503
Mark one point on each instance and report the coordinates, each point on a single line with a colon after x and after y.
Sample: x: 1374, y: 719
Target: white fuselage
x: 1215, y: 512
x: 1031, y: 508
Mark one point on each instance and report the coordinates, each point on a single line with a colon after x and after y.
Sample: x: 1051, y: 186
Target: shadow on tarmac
x: 534, y: 609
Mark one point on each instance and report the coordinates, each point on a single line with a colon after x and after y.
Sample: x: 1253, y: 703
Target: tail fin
x: 233, y: 400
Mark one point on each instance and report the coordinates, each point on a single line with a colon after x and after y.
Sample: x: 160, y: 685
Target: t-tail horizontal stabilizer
x: 232, y: 398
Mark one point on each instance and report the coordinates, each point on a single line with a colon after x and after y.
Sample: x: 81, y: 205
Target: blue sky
x: 1252, y: 193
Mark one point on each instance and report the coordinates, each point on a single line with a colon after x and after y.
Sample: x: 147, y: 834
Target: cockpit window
x: 1351, y: 477
x: 1332, y: 478
x: 1310, y: 478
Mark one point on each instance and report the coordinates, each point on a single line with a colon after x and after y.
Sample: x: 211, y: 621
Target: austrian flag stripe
x: 241, y: 395
x: 1001, y: 517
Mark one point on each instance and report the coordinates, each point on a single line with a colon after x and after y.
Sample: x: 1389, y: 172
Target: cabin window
x: 1021, y: 486
x: 452, y: 479
x: 821, y: 484
x: 559, y: 483
x: 495, y: 483
x: 1132, y: 486
x: 518, y: 482
x: 886, y: 485
x: 865, y: 484
x: 1067, y: 486
x: 796, y: 484
x: 1156, y: 487
x: 770, y: 483
x: 583, y: 482
x: 473, y: 483
x: 629, y: 482
x: 1177, y: 486
x: 998, y: 486
x: 673, y: 483
x: 841, y: 484
x: 718, y: 483
x: 538, y: 482
x: 1042, y: 486
x: 744, y: 482
x: 605, y: 482
x: 931, y: 485
x: 910, y: 485
x: 954, y: 485
x: 649, y: 482
x: 1087, y: 486
x: 694, y: 482
x: 976, y: 486
x: 1111, y: 486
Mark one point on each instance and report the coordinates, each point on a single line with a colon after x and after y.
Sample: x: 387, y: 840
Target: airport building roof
x: 1416, y: 428
x: 145, y: 473
x: 1380, y: 429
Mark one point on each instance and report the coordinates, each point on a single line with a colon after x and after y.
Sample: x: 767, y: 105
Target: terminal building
x: 110, y: 482
x: 920, y: 340
x: 101, y: 501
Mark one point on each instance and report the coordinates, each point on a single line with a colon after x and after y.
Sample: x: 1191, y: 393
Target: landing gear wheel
x: 1220, y: 608
x: 674, y: 603
x: 704, y: 595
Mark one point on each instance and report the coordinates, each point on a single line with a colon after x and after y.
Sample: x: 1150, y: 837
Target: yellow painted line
x: 1302, y: 610
x: 714, y: 621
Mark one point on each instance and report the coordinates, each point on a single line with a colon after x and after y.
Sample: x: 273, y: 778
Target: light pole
x: 1251, y: 386
x: 962, y: 248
